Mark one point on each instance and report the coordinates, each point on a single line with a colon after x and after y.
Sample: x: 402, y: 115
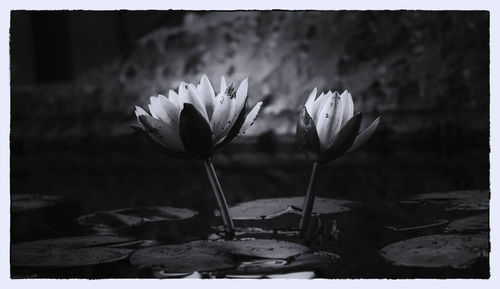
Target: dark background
x: 76, y: 76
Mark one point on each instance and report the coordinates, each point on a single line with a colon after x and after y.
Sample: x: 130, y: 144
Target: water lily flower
x: 326, y: 130
x: 194, y: 121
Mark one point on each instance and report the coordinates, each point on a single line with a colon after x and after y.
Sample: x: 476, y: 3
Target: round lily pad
x: 261, y: 248
x: 184, y: 258
x: 294, y: 275
x: 436, y: 251
x: 203, y: 256
x: 472, y: 223
x: 162, y: 274
x: 24, y: 202
x: 270, y: 208
x: 458, y: 200
x: 304, y: 262
x: 135, y: 216
x: 69, y: 252
x: 434, y: 224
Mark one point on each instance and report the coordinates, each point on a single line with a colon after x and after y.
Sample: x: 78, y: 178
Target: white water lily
x: 328, y: 127
x: 195, y: 120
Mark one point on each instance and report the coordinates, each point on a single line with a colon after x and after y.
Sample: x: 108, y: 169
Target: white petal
x: 163, y: 133
x: 238, y: 102
x: 250, y: 119
x: 174, y: 98
x: 220, y: 117
x: 340, y: 111
x: 171, y: 110
x: 140, y: 111
x: 195, y: 99
x: 310, y: 100
x: 318, y: 105
x: 336, y: 121
x: 348, y: 107
x: 365, y: 135
x: 207, y: 95
x: 324, y: 118
x: 157, y: 110
x: 243, y: 89
x: 183, y: 94
x: 153, y: 113
x: 223, y: 85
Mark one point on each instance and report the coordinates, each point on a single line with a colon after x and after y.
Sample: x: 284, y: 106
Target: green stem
x: 309, y: 199
x: 219, y: 195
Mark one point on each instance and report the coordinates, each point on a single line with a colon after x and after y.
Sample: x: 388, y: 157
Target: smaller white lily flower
x: 193, y: 121
x: 328, y: 128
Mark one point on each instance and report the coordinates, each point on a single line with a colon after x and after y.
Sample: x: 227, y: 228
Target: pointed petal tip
x: 140, y: 111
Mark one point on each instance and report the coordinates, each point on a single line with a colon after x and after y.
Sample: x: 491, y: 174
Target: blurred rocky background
x: 76, y: 76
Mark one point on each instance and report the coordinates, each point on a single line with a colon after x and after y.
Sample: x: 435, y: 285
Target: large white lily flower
x: 195, y: 120
x: 328, y: 127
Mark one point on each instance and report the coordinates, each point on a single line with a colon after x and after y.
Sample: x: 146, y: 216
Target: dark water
x: 97, y: 175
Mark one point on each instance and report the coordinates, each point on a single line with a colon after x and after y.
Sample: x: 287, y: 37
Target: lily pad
x: 186, y: 258
x: 24, y: 202
x: 472, y: 223
x: 436, y: 251
x: 271, y: 208
x: 304, y: 262
x: 69, y: 252
x: 161, y: 274
x: 134, y: 216
x: 261, y: 248
x: 294, y: 275
x: 206, y: 256
x: 458, y: 200
x: 434, y: 224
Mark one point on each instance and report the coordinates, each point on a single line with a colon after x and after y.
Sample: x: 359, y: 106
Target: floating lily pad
x: 270, y: 208
x: 458, y: 200
x: 434, y: 224
x: 473, y: 223
x: 162, y: 274
x: 24, y: 202
x: 303, y: 262
x: 436, y: 251
x: 294, y: 275
x: 135, y: 216
x: 186, y: 258
x: 203, y: 256
x: 69, y: 252
x: 261, y: 248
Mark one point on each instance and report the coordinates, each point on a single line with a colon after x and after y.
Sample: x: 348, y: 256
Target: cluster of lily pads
x: 264, y: 246
x: 113, y: 237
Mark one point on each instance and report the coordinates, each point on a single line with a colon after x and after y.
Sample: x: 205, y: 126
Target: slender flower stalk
x: 328, y: 129
x: 219, y: 195
x: 309, y: 199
